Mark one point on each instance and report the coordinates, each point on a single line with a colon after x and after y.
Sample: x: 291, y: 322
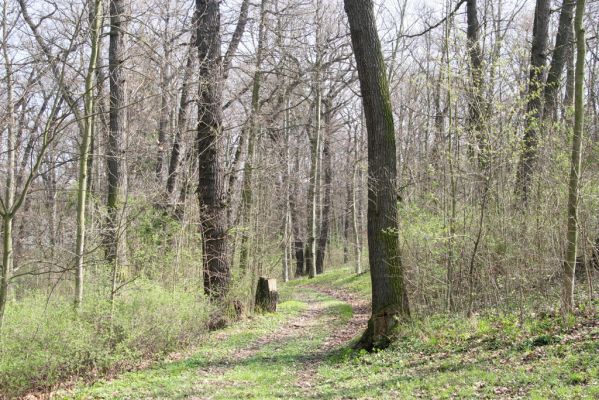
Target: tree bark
x: 327, y: 175
x: 574, y: 184
x: 246, y: 191
x: 563, y: 41
x: 389, y: 295
x: 538, y: 55
x: 216, y: 269
x: 9, y: 195
x: 266, y: 295
x: 310, y: 213
x: 476, y: 102
x: 313, y: 193
x: 84, y: 153
x: 116, y: 174
x: 182, y: 113
x: 236, y: 38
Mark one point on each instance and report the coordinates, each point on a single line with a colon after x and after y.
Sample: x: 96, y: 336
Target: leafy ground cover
x: 304, y: 351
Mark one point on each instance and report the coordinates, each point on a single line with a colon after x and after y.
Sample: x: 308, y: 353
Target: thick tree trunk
x: 266, y: 295
x: 574, y: 184
x: 217, y: 273
x: 538, y: 55
x: 563, y: 42
x: 476, y: 102
x: 389, y: 295
x: 116, y: 174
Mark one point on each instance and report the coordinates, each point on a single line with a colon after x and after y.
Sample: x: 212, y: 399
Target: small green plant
x: 43, y: 345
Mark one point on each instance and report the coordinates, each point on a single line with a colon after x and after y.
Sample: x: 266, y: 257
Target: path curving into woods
x: 271, y: 356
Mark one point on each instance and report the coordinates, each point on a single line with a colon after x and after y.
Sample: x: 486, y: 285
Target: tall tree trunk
x: 563, y: 41
x: 181, y: 113
x: 308, y: 260
x: 574, y: 184
x: 389, y: 295
x: 287, y: 185
x: 164, y: 115
x: 313, y: 193
x: 347, y: 217
x: 9, y: 194
x: 538, y: 55
x: 217, y: 273
x: 327, y: 175
x: 246, y: 191
x: 116, y: 174
x: 356, y: 222
x: 310, y: 214
x: 298, y: 244
x: 84, y: 153
x: 476, y: 101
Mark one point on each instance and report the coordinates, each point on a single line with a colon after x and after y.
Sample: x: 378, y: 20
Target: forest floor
x: 304, y: 351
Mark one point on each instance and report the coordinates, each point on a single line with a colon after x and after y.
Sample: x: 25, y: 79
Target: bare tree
x: 574, y: 183
x: 389, y: 295
x: 534, y: 107
x: 116, y: 171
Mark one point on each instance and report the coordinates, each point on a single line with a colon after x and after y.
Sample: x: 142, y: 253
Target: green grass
x: 270, y: 371
x: 494, y: 356
x: 45, y: 344
x: 441, y: 357
x: 340, y: 278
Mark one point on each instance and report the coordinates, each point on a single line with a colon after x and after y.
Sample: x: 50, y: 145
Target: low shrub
x: 44, y: 343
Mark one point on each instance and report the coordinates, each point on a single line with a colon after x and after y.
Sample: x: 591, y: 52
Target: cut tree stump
x: 266, y: 295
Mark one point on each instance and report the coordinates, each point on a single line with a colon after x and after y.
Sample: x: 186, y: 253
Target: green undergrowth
x: 340, y: 278
x: 477, y: 358
x: 45, y: 343
x: 487, y: 356
x: 257, y: 358
x: 280, y: 356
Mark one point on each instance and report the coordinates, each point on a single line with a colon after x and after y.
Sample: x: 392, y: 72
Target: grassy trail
x: 302, y: 352
x: 273, y: 356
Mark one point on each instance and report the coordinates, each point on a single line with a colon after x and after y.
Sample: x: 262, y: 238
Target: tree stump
x: 267, y: 295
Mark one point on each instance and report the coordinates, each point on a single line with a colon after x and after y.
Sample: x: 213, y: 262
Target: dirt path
x: 258, y: 359
x: 361, y: 313
x: 307, y: 377
x: 315, y: 317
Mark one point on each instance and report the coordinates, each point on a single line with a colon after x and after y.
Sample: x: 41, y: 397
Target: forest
x: 281, y: 199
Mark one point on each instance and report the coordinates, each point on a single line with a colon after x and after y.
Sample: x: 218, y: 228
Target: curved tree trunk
x: 389, y: 296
